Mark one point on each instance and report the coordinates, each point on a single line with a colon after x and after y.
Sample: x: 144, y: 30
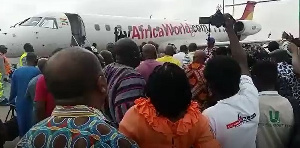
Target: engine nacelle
x: 246, y: 28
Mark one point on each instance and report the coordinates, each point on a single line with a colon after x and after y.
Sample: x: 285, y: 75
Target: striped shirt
x: 124, y: 86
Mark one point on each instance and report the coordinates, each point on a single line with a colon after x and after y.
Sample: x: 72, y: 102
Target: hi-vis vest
x: 22, y: 59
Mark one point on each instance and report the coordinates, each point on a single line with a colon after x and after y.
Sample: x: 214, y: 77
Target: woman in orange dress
x: 167, y: 117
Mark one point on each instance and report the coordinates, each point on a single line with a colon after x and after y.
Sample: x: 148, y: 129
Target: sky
x: 275, y: 17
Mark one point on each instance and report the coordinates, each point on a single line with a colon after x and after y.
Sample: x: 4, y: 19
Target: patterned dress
x: 199, y: 88
x: 75, y: 126
x: 289, y: 83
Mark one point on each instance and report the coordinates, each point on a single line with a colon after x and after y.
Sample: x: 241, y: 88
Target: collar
x: 75, y: 111
x: 268, y: 93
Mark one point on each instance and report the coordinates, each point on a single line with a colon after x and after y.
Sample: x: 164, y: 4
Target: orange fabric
x: 7, y: 66
x: 142, y: 124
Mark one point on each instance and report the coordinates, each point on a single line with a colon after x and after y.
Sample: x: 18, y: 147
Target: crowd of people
x: 136, y: 96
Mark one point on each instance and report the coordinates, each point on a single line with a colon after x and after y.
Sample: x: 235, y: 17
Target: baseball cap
x: 210, y: 40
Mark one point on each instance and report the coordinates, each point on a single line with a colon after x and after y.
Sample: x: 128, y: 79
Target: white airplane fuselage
x: 49, y: 31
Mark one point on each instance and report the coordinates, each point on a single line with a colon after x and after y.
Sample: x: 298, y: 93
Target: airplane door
x: 78, y: 29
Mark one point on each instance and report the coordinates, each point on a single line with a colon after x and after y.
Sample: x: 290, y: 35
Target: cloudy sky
x: 274, y: 17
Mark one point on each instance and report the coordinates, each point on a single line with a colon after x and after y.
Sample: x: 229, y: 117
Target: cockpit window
x: 33, y: 21
x: 49, y: 23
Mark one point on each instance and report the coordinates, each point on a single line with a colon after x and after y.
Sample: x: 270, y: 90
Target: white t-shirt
x: 276, y: 121
x: 234, y: 120
x: 183, y: 58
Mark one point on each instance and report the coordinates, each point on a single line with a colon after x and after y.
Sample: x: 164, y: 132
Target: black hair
x: 192, y: 47
x: 127, y: 52
x: 169, y: 90
x: 95, y: 45
x: 183, y: 48
x: 264, y: 74
x: 221, y: 51
x: 223, y: 76
x: 28, y: 47
x: 273, y: 46
x: 31, y: 58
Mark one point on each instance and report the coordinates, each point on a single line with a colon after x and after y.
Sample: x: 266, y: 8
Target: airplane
x: 51, y: 30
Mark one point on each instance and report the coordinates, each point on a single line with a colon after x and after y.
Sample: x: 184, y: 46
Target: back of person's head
x: 221, y: 51
x: 149, y: 52
x: 192, y: 47
x: 99, y: 56
x: 169, y: 90
x: 31, y: 59
x: 169, y: 50
x: 264, y: 74
x: 184, y: 48
x: 28, y: 47
x: 74, y: 76
x: 108, y: 57
x: 95, y: 45
x: 41, y: 64
x: 223, y: 76
x: 3, y: 49
x: 127, y: 52
x: 273, y: 46
x: 210, y: 41
x: 281, y: 55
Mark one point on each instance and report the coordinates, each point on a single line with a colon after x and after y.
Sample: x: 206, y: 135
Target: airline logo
x: 164, y: 30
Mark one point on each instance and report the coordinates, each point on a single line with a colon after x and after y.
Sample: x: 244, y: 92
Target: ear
x: 102, y: 86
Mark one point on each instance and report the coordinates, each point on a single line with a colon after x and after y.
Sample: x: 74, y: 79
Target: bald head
x: 149, y: 51
x: 127, y: 52
x: 199, y: 56
x: 169, y: 50
x: 72, y: 73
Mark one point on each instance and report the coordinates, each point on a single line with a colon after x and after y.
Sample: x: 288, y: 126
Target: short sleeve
x: 247, y: 87
x: 40, y: 90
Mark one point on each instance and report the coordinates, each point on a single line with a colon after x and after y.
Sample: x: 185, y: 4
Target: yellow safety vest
x: 21, y: 62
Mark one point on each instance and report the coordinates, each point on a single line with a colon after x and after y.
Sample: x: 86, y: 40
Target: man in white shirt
x: 276, y: 119
x: 234, y: 119
x: 192, y: 48
x: 182, y: 55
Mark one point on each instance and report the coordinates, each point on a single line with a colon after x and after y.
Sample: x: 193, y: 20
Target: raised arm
x: 295, y: 57
x: 238, y: 53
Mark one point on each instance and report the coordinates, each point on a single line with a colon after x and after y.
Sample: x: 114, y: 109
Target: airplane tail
x: 249, y: 10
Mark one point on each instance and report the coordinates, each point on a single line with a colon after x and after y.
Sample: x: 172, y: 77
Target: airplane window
x: 107, y: 27
x: 33, y: 21
x: 49, y: 23
x: 97, y: 27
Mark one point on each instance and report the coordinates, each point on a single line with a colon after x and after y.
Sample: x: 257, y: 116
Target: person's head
x: 41, y: 64
x: 74, y: 77
x: 184, y: 48
x: 199, y: 57
x: 3, y: 49
x: 281, y: 55
x: 28, y: 47
x: 149, y: 52
x: 108, y: 57
x: 223, y: 76
x: 127, y: 52
x: 169, y: 90
x: 169, y: 50
x: 210, y: 42
x: 153, y: 43
x: 95, y: 45
x: 192, y: 47
x: 31, y: 59
x: 273, y: 46
x: 221, y: 51
x: 100, y: 58
x: 264, y: 75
